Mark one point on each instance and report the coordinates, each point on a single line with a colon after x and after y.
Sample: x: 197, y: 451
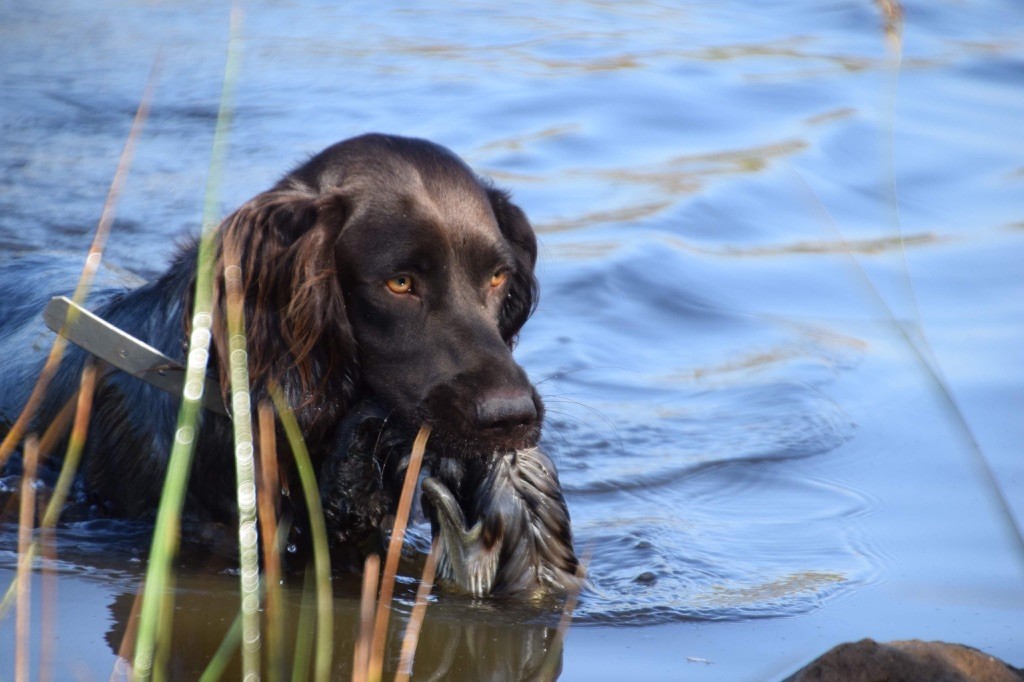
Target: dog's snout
x: 506, y: 410
x: 493, y: 408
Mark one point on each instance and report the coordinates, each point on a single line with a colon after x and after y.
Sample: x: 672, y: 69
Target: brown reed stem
x: 245, y: 465
x: 419, y: 610
x: 124, y: 652
x: 371, y: 574
x: 58, y: 428
x: 49, y: 553
x: 267, y: 491
x: 54, y: 432
x: 92, y: 262
x: 79, y: 432
x: 380, y: 626
x: 550, y: 664
x: 26, y: 523
x: 67, y: 472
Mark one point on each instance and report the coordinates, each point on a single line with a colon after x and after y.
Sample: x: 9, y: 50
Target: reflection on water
x: 457, y: 641
x: 753, y: 459
x: 462, y: 638
x: 667, y: 180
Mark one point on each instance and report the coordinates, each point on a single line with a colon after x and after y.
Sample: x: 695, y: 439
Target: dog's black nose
x: 503, y: 410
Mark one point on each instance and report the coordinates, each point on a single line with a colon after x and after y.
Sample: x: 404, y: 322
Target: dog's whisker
x: 570, y: 415
x: 589, y: 408
x: 596, y: 412
x: 564, y: 444
x: 567, y: 372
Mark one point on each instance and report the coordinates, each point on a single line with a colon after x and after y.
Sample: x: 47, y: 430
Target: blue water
x: 782, y: 317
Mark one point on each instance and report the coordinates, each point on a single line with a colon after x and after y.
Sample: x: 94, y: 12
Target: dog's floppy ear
x: 522, y: 294
x: 297, y: 328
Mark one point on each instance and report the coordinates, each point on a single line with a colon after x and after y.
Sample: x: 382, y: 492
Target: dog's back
x: 27, y: 282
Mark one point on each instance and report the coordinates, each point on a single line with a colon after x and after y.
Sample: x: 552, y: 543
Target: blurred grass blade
x: 412, y: 630
x: 156, y: 615
x: 266, y: 497
x: 387, y: 586
x: 222, y: 656
x: 168, y: 521
x: 26, y: 523
x: 304, y: 630
x: 892, y: 17
x: 933, y: 371
x: 92, y: 262
x: 321, y: 557
x: 367, y: 604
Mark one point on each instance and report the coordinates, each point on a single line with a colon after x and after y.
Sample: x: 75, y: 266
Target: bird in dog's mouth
x: 508, y: 533
x: 499, y: 521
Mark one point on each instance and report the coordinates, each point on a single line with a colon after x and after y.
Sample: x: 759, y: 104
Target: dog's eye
x: 498, y: 278
x: 402, y: 284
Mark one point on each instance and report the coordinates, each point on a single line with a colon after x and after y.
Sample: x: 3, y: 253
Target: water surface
x: 774, y: 391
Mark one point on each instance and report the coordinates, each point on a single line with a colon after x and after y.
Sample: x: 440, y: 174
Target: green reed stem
x: 156, y: 613
x: 168, y: 521
x: 222, y: 656
x: 321, y: 558
x: 304, y: 633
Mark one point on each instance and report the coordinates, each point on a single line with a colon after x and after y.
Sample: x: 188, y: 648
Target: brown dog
x: 383, y: 268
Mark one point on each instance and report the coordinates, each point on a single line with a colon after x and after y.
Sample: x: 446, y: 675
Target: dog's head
x: 384, y: 266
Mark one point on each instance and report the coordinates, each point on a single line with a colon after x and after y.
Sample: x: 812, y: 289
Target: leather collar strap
x: 124, y: 351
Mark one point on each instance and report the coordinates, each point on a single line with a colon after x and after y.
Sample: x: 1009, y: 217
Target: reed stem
x: 419, y: 610
x: 380, y: 625
x: 92, y: 263
x: 367, y: 604
x: 156, y: 614
x: 26, y: 524
x: 245, y: 465
x: 318, y: 529
x: 267, y: 492
x: 80, y: 430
